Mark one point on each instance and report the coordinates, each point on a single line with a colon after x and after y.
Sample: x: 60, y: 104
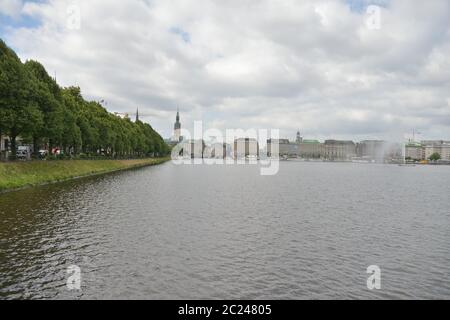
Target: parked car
x: 23, y: 152
x: 22, y: 155
x: 43, y: 153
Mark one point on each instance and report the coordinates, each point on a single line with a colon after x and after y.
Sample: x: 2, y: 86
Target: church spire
x: 137, y: 114
x: 177, y: 123
x: 177, y: 128
x: 299, y: 137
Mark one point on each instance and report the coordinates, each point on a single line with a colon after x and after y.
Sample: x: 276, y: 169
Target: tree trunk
x: 50, y: 146
x: 13, y: 155
x: 1, y: 147
x: 35, y: 147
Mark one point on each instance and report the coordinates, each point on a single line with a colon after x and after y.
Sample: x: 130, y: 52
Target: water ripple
x: 193, y: 232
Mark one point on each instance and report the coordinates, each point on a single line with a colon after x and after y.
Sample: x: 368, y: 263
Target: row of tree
x: 36, y: 109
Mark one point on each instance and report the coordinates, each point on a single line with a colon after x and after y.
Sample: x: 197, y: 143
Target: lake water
x: 226, y: 232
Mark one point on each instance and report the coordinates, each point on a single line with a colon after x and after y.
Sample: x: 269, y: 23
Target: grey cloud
x: 311, y: 65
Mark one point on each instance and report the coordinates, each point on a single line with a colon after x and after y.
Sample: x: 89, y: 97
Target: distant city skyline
x: 413, y: 136
x: 316, y: 66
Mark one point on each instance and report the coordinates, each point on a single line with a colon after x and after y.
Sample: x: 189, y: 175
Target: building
x: 310, y: 149
x: 277, y: 147
x: 4, y: 143
x: 334, y: 150
x: 218, y: 151
x: 192, y: 149
x: 4, y: 147
x: 299, y: 138
x: 414, y: 151
x: 124, y: 116
x: 177, y: 129
x: 379, y: 151
x: 337, y: 150
x: 282, y: 148
x: 373, y: 150
x: 246, y: 148
x: 440, y: 147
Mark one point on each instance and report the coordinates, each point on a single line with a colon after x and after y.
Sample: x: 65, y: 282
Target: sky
x: 343, y: 69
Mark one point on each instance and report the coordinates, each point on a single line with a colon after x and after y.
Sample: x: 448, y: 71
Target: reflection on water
x: 189, y: 232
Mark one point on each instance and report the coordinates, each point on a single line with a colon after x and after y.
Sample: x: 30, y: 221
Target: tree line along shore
x: 35, y: 108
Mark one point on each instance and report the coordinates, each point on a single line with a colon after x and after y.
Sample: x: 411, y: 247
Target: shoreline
x: 16, y: 176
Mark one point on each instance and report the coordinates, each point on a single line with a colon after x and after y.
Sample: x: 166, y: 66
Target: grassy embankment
x: 15, y: 175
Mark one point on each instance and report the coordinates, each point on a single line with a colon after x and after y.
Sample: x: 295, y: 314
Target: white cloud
x: 11, y: 8
x: 312, y: 65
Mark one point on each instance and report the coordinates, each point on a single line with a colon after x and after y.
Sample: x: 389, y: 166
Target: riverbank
x: 18, y: 175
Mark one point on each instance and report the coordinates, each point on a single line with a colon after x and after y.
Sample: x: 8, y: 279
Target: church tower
x: 137, y: 114
x: 177, y: 128
x: 299, y: 137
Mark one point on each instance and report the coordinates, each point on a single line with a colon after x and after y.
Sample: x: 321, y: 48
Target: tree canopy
x: 34, y: 107
x: 435, y: 157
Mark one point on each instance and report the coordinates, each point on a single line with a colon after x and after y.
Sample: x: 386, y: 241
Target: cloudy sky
x: 333, y: 69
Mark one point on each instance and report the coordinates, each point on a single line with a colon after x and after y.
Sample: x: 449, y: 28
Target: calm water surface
x: 225, y: 232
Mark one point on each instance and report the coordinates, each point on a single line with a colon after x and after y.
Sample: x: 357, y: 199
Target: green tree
x: 19, y: 111
x: 435, y: 157
x: 34, y: 107
x: 49, y: 100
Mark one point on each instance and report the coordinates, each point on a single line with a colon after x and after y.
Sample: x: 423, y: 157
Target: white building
x: 246, y: 148
x: 122, y: 115
x: 440, y: 147
x: 414, y: 151
x: 193, y: 149
x: 311, y: 149
x: 4, y: 143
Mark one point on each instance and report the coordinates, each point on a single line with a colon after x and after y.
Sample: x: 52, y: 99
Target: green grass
x: 14, y: 175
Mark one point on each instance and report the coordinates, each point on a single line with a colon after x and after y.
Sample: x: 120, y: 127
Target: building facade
x: 440, y: 147
x: 4, y: 143
x: 5, y: 146
x: 414, y: 151
x: 310, y: 149
x: 373, y: 150
x: 336, y: 150
x: 246, y: 148
x: 282, y: 148
x: 227, y: 151
x: 192, y: 149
